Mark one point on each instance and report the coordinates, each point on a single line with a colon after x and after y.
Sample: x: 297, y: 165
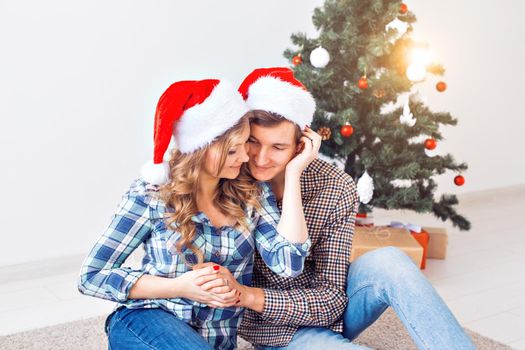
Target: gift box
x: 419, y: 234
x: 437, y: 244
x: 364, y: 219
x: 369, y: 238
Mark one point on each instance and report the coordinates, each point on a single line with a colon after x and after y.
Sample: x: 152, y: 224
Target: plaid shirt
x: 139, y: 219
x: 317, y: 297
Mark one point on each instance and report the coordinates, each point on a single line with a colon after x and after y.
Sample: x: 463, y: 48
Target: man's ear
x: 299, y: 147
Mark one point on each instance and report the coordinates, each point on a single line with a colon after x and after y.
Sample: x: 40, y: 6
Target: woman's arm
x: 186, y: 285
x: 102, y: 275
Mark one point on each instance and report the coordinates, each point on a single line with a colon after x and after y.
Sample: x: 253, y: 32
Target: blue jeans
x: 379, y: 279
x: 151, y: 329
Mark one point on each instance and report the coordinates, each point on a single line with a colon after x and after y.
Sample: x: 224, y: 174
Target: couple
x: 245, y: 220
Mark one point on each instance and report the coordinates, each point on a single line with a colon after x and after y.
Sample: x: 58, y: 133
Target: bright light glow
x: 421, y: 57
x: 416, y: 72
x: 419, y: 60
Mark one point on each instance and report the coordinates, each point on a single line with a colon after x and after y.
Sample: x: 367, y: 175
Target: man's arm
x: 323, y: 303
x: 252, y: 298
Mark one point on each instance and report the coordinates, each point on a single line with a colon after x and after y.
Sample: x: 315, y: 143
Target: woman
x: 206, y: 210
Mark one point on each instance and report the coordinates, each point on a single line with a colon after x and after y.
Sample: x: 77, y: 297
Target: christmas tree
x: 363, y: 61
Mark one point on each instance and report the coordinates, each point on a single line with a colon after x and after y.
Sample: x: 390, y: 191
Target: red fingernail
x: 240, y: 293
x: 238, y: 301
x: 216, y: 268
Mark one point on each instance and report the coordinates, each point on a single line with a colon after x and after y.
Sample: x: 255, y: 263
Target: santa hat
x: 195, y: 113
x: 276, y: 90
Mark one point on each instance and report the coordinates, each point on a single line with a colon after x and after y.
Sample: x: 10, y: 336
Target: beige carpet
x: 387, y: 333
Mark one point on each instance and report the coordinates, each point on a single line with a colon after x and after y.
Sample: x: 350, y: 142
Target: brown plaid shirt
x: 316, y: 297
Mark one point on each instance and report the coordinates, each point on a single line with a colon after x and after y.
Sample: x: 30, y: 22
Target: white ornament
x: 319, y: 57
x: 407, y: 117
x: 398, y: 25
x: 365, y: 188
x: 431, y: 152
x: 416, y: 72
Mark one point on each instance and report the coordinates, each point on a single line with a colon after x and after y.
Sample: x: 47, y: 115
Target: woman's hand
x: 223, y: 286
x: 190, y: 286
x: 308, y: 151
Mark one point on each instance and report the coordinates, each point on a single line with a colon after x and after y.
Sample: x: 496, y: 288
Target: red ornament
x: 459, y: 180
x: 441, y: 86
x: 430, y: 144
x: 347, y: 130
x: 297, y: 60
x: 362, y: 83
x: 403, y: 8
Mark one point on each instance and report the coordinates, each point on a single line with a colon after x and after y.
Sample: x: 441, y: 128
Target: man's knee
x: 386, y: 262
x: 385, y: 256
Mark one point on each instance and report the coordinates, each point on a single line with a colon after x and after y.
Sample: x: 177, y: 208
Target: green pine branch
x: 359, y: 44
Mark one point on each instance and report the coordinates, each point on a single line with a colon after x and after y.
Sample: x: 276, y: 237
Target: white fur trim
x: 156, y: 174
x: 277, y: 96
x: 201, y: 124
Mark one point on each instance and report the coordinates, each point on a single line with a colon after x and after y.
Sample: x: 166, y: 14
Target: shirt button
x: 217, y: 253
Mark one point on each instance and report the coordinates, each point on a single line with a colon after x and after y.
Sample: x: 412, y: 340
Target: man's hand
x: 310, y: 144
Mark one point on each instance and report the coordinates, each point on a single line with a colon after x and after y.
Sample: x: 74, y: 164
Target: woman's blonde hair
x: 231, y: 197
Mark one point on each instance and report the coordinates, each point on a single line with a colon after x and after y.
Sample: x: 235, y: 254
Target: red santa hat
x: 195, y: 113
x: 276, y: 90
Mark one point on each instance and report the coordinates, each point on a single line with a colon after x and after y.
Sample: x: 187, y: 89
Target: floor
x: 482, y: 280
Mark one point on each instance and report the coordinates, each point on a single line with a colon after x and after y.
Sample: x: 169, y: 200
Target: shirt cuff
x: 301, y: 249
x: 128, y: 282
x: 276, y: 306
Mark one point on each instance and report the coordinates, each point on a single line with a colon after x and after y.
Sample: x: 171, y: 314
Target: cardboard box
x: 370, y: 238
x: 437, y: 244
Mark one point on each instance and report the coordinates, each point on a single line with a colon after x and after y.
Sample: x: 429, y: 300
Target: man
x: 329, y: 304
x: 316, y: 298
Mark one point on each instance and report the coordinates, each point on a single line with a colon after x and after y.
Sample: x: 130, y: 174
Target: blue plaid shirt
x: 140, y: 220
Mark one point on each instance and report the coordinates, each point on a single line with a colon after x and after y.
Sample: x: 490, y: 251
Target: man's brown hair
x: 269, y: 119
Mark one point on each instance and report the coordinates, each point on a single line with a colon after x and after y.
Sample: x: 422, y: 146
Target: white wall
x: 481, y: 45
x: 79, y: 82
